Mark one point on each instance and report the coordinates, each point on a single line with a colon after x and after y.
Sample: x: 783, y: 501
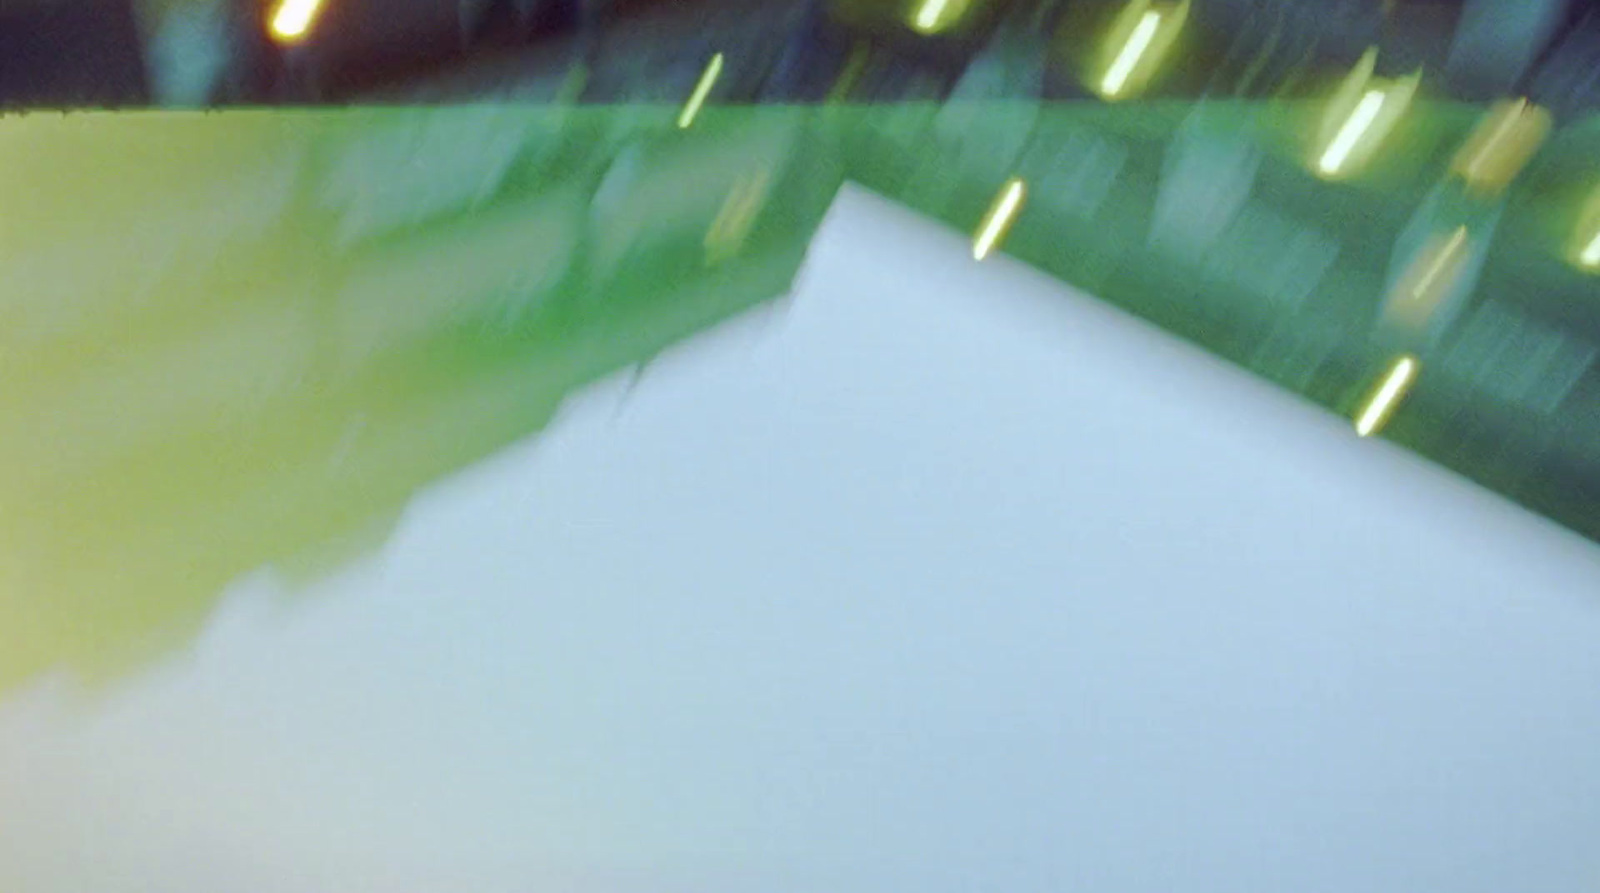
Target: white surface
x: 947, y: 579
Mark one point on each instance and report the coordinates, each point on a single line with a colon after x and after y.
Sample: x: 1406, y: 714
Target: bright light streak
x: 998, y: 220
x: 1383, y: 403
x: 1591, y: 255
x: 1345, y: 141
x: 929, y: 14
x: 701, y: 90
x: 1502, y: 145
x: 1440, y: 261
x: 1508, y: 120
x: 293, y: 19
x: 1145, y: 32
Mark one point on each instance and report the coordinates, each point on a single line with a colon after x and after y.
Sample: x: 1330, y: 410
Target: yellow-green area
x: 248, y: 338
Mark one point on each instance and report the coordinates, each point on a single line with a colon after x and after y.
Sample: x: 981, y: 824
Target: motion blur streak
x: 1143, y: 34
x: 1502, y: 145
x: 1591, y: 254
x: 1431, y: 277
x: 1360, y: 116
x: 1138, y: 40
x: 1389, y: 394
x: 1583, y: 248
x: 738, y: 214
x: 1354, y: 127
x: 293, y: 19
x: 935, y: 15
x: 701, y: 90
x: 1452, y: 246
x: 1499, y: 123
x: 999, y: 219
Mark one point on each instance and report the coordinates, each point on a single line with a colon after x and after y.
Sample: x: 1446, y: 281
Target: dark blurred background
x: 195, y: 52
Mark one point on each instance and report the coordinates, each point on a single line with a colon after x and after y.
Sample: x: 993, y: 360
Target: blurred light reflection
x: 1388, y: 396
x: 702, y: 89
x: 999, y: 219
x: 293, y: 19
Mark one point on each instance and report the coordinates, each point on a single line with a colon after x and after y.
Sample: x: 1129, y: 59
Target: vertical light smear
x: 1354, y: 127
x: 701, y: 91
x: 293, y: 19
x: 1389, y: 394
x: 1145, y: 32
x: 999, y: 219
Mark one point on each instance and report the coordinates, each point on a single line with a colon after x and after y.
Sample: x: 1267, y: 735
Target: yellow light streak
x: 1143, y: 34
x: 1508, y: 120
x: 1441, y: 260
x: 1502, y: 145
x: 1428, y: 279
x: 1583, y: 251
x: 1389, y: 394
x: 929, y: 14
x: 701, y: 91
x: 999, y: 219
x: 734, y: 221
x: 1354, y: 127
x: 933, y: 16
x: 293, y: 19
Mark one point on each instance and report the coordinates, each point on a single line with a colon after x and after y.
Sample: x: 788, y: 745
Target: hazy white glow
x: 293, y: 18
x: 701, y: 90
x: 1591, y: 254
x: 1143, y: 34
x: 1360, y: 120
x: 999, y: 218
x: 1388, y: 395
x: 929, y: 14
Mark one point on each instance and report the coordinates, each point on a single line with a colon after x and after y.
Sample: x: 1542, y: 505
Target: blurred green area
x: 248, y: 339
